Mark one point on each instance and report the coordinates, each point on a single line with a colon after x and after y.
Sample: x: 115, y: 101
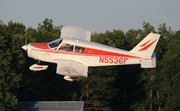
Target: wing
x: 71, y: 68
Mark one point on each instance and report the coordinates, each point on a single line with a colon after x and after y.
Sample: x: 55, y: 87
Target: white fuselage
x: 94, y: 54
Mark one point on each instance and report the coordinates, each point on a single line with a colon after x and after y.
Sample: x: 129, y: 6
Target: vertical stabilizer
x: 147, y: 45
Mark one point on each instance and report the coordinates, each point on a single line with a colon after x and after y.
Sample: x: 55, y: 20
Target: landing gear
x: 38, y: 62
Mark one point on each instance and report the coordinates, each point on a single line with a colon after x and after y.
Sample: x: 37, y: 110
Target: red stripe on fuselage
x: 87, y: 52
x: 40, y: 45
x: 90, y: 52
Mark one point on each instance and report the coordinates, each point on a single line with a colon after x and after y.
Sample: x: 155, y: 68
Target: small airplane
x: 74, y: 53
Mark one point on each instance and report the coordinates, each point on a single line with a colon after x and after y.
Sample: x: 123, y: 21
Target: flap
x: 75, y: 32
x: 71, y: 68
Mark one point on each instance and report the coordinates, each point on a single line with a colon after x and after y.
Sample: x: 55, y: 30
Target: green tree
x: 131, y: 39
x: 129, y: 90
x: 114, y: 38
x: 97, y: 90
x: 158, y: 82
x: 11, y: 63
x: 107, y: 88
x: 146, y: 77
x: 171, y: 74
x: 47, y: 31
x: 44, y: 85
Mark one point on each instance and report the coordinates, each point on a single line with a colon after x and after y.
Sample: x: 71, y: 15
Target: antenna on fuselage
x: 25, y: 42
x: 25, y: 39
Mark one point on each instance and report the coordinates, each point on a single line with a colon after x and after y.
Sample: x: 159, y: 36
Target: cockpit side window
x: 79, y: 49
x: 66, y: 47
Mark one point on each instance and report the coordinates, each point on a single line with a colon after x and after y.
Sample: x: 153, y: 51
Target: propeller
x: 25, y: 41
x: 24, y: 47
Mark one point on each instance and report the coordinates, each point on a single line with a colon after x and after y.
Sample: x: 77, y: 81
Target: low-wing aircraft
x: 74, y: 53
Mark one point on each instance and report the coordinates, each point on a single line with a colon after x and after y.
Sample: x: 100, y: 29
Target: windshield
x: 55, y: 43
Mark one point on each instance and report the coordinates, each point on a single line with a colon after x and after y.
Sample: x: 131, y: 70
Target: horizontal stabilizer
x: 149, y: 63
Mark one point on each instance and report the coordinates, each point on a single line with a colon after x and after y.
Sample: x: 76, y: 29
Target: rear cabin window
x: 79, y: 49
x: 71, y: 48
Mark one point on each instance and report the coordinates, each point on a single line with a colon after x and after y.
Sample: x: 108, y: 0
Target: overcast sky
x: 93, y: 15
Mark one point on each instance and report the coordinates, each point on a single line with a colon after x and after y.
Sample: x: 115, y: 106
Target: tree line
x: 115, y: 88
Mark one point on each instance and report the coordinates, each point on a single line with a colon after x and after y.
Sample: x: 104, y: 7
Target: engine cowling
x: 71, y: 78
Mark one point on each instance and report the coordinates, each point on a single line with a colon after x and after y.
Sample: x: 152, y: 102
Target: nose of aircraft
x: 24, y: 47
x: 34, y: 50
x: 27, y: 47
x: 35, y: 45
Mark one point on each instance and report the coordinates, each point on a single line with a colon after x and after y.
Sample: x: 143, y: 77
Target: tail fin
x: 147, y: 45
